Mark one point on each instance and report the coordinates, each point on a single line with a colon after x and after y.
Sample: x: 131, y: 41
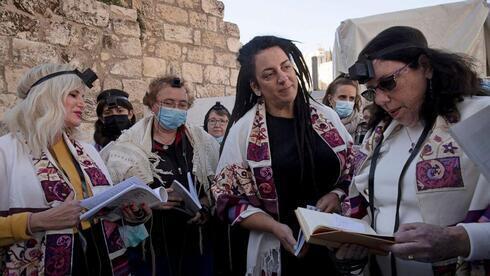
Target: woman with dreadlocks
x: 282, y: 152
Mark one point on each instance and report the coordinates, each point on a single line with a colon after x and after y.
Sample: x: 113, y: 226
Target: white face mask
x: 344, y: 108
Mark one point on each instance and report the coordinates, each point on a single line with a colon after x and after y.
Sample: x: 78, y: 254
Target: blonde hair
x: 161, y: 82
x: 40, y: 116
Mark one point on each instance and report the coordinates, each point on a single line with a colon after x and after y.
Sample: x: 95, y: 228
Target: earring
x: 258, y: 93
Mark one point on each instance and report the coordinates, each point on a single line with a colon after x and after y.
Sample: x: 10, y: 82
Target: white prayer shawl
x: 34, y: 184
x: 449, y: 187
x: 131, y: 154
x: 244, y: 185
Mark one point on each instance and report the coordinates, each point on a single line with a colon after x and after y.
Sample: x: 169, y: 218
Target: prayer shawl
x: 449, y: 187
x: 36, y: 184
x: 131, y: 154
x: 244, y: 181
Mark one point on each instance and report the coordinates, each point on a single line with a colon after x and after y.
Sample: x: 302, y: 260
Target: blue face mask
x: 344, y: 108
x: 171, y: 118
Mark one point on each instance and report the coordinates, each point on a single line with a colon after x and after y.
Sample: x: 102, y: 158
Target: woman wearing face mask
x: 115, y: 114
x: 216, y: 120
x: 160, y: 149
x: 343, y: 95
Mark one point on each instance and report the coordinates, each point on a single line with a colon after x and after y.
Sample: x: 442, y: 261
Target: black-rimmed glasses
x: 386, y: 84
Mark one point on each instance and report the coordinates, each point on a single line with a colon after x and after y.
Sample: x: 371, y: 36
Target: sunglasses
x: 386, y: 84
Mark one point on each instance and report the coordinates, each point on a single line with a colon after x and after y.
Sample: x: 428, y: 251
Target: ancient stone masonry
x: 126, y: 45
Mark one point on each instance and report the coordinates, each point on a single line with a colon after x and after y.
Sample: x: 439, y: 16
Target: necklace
x: 412, y: 143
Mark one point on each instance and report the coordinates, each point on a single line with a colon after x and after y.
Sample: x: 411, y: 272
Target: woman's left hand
x: 329, y: 203
x: 199, y: 218
x: 429, y: 243
x: 135, y: 214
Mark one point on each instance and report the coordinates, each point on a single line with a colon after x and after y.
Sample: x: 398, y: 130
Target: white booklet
x: 191, y: 204
x: 470, y: 135
x: 130, y: 190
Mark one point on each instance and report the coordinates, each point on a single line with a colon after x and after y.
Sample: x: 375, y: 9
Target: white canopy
x: 462, y: 27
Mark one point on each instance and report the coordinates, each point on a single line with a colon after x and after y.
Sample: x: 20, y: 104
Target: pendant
x: 411, y: 148
x: 165, y: 147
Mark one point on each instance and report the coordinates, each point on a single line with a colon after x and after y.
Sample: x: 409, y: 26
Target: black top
x: 172, y: 237
x: 292, y: 192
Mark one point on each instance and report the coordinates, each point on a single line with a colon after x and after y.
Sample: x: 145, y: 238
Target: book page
x: 472, y: 135
x: 316, y: 220
x: 95, y: 200
x: 191, y: 203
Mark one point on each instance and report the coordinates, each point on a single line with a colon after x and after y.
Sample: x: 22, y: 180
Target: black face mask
x: 113, y: 125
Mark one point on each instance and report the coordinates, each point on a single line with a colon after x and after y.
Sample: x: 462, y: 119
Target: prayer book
x: 190, y: 204
x: 333, y: 230
x: 108, y: 203
x: 470, y: 135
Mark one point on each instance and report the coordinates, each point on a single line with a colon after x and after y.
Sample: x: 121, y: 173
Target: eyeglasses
x: 215, y: 122
x: 183, y: 105
x: 386, y: 84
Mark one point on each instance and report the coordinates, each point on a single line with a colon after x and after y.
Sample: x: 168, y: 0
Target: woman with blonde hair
x: 46, y: 171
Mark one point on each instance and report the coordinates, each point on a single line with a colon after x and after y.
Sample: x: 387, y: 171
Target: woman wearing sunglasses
x: 410, y: 173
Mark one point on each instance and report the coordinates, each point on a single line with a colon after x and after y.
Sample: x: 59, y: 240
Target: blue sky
x: 312, y: 22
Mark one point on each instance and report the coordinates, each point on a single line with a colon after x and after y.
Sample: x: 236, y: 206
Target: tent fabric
x: 462, y: 27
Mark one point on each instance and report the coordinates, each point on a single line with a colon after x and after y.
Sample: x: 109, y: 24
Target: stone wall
x: 126, y: 46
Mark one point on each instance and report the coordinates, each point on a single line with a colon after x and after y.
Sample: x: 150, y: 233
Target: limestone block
x: 154, y: 67
x: 212, y: 23
x: 168, y: 50
x: 174, y: 68
x: 3, y: 126
x: 36, y: 7
x: 86, y: 130
x: 105, y: 56
x: 4, y: 49
x: 233, y: 77
x: 227, y: 60
x: 188, y: 4
x: 212, y: 39
x: 197, y: 37
x: 87, y: 12
x: 3, y: 84
x: 230, y: 29
x: 135, y: 88
x: 7, y: 101
x: 210, y: 90
x: 233, y: 44
x: 86, y: 38
x: 130, y: 46
x: 200, y: 55
x: 128, y: 68
x: 12, y: 77
x: 230, y: 90
x: 178, y: 33
x: 58, y: 33
x: 12, y: 23
x: 217, y: 75
x: 123, y: 13
x: 213, y: 7
x: 173, y: 14
x: 111, y: 83
x: 192, y: 72
x: 169, y: 1
x: 123, y: 27
x: 198, y: 20
x: 33, y: 53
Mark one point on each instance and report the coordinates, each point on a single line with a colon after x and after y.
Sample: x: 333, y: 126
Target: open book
x: 470, y: 135
x: 130, y: 190
x: 334, y: 230
x: 191, y: 204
